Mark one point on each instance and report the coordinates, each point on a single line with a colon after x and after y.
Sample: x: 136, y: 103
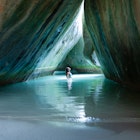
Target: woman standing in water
x: 69, y: 77
x: 68, y: 72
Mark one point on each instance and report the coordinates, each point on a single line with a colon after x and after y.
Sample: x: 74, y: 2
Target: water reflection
x: 69, y: 82
x: 90, y: 99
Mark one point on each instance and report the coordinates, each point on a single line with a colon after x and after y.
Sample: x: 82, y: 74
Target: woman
x: 69, y: 77
x: 68, y: 72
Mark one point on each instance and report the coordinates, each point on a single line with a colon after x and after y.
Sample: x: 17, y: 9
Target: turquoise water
x: 87, y: 100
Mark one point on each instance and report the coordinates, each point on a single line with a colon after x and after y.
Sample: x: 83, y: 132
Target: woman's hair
x: 68, y: 69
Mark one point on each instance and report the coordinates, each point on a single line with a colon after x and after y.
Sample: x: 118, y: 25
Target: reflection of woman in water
x: 69, y: 77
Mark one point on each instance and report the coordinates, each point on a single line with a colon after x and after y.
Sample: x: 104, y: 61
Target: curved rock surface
x: 38, y: 37
x: 115, y: 30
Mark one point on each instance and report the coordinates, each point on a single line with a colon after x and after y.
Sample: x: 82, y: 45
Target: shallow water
x: 86, y: 101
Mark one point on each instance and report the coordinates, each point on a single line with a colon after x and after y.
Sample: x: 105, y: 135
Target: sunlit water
x: 87, y: 100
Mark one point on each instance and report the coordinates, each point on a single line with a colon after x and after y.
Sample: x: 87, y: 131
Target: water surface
x: 87, y: 100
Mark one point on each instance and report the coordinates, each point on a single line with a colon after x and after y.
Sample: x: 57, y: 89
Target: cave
x: 39, y: 37
x: 99, y: 40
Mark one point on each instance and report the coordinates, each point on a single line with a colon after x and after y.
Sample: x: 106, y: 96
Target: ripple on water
x: 91, y: 100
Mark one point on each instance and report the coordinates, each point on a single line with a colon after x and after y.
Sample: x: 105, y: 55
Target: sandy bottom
x: 29, y: 130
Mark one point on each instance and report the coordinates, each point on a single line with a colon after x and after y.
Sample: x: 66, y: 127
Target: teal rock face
x: 38, y: 37
x: 115, y: 30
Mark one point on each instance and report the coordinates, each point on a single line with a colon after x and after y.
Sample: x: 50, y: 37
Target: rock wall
x: 38, y: 37
x: 78, y: 61
x: 35, y: 35
x: 114, y: 27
